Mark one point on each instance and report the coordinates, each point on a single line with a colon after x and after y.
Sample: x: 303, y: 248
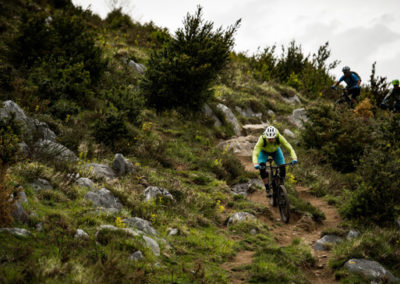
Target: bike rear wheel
x: 283, y: 202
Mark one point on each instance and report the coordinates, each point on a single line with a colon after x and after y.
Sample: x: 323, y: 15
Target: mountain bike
x: 279, y: 192
x: 344, y: 99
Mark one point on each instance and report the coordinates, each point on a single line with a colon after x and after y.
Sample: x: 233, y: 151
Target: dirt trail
x: 304, y: 228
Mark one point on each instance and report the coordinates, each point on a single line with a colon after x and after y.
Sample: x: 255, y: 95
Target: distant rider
x: 392, y: 99
x: 353, y: 82
x: 269, y: 144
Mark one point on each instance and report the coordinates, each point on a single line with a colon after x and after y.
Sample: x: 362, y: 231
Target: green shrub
x: 117, y: 20
x: 127, y: 100
x: 340, y: 137
x: 110, y: 129
x: 180, y: 74
x: 377, y: 198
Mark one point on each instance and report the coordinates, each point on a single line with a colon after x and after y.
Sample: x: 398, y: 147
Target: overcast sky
x: 359, y: 31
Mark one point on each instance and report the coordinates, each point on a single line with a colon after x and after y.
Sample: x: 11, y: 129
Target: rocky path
x: 299, y: 227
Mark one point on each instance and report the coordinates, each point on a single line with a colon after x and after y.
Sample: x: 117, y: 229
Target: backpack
x: 265, y: 141
x: 355, y: 73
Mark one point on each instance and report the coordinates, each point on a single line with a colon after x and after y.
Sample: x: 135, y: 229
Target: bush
x: 127, y: 100
x: 117, y: 20
x: 340, y: 137
x: 180, y: 74
x: 377, y: 198
x: 110, y: 129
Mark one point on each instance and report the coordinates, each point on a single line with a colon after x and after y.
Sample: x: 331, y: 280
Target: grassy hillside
x: 72, y: 70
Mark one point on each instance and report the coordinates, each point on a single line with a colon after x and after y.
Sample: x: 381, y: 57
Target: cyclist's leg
x: 280, y: 160
x: 354, y: 94
x: 262, y: 160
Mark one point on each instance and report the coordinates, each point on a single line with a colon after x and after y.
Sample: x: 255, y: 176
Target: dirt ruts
x: 300, y: 227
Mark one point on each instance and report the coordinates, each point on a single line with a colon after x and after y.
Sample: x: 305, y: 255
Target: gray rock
x: 288, y: 133
x: 257, y: 183
x: 153, y: 192
x: 140, y: 224
x: 326, y: 241
x: 298, y: 117
x: 18, y: 212
x: 242, y: 146
x: 23, y: 150
x: 122, y: 166
x: 103, y: 198
x: 248, y: 112
x: 270, y: 112
x: 371, y: 270
x: 136, y: 256
x: 47, y: 149
x: 39, y: 227
x: 102, y: 171
x: 85, y: 182
x: 152, y: 244
x: 231, y: 118
x: 353, y: 234
x: 112, y: 228
x: 31, y: 128
x: 253, y: 232
x: 20, y: 232
x: 81, y: 234
x: 173, y: 232
x: 241, y: 189
x: 255, y: 129
x: 209, y: 113
x: 292, y: 100
x: 41, y: 184
x: 240, y: 217
x: 137, y: 67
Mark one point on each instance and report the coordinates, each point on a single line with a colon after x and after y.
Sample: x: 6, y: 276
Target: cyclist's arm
x: 257, y: 149
x: 386, y: 98
x: 288, y: 147
x: 338, y: 82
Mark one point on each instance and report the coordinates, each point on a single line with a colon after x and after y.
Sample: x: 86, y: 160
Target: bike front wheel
x: 283, y: 202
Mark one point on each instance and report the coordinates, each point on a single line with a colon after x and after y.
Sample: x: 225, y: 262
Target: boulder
x: 172, y: 231
x: 371, y: 270
x: 137, y: 67
x: 353, y: 234
x: 231, y: 118
x: 112, y: 228
x: 122, y: 165
x: 248, y: 112
x: 242, y: 146
x: 255, y: 128
x: 288, y: 133
x: 104, y: 198
x: 85, y: 182
x: 41, y: 184
x: 292, y: 100
x: 298, y: 117
x: 326, y: 241
x: 18, y: 212
x: 153, y: 192
x: 19, y: 232
x: 240, y: 217
x: 81, y: 234
x: 209, y: 113
x: 244, y: 188
x: 49, y: 150
x: 102, y: 171
x: 31, y: 128
x: 257, y: 183
x: 270, y: 112
x: 136, y: 256
x: 140, y: 224
x: 152, y: 244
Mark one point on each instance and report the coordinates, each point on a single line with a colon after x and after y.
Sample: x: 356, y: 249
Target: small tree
x: 179, y: 75
x: 379, y: 87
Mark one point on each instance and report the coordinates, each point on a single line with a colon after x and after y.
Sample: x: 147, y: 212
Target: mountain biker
x: 269, y: 144
x: 392, y: 99
x: 353, y: 82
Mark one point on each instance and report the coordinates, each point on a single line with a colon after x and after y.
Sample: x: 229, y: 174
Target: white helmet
x: 270, y: 132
